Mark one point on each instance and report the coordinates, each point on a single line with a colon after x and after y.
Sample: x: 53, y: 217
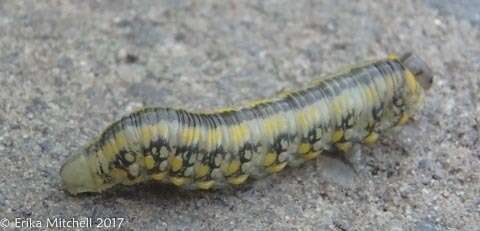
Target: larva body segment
x: 212, y: 150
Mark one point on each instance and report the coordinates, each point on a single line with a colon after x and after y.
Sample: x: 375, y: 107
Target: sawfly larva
x: 227, y: 147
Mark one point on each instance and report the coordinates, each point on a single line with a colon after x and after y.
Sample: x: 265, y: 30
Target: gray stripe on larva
x: 325, y: 89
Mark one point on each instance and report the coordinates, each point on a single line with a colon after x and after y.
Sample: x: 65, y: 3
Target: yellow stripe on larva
x: 201, y: 170
x: 121, y: 141
x: 100, y: 158
x: 146, y: 135
x: 271, y: 125
x: 178, y: 181
x: 257, y: 102
x: 238, y: 134
x: 371, y: 138
x: 277, y: 167
x: 337, y: 109
x: 312, y: 112
x: 304, y: 148
x: 311, y: 155
x: 404, y: 118
x: 337, y: 135
x: 269, y: 159
x: 307, y: 117
x: 390, y: 86
x: 300, y: 120
x: 410, y: 81
x: 109, y: 150
x: 176, y: 163
x: 117, y: 173
x: 149, y: 162
x: 392, y: 57
x: 196, y: 136
x: 370, y: 96
x: 205, y: 185
x: 344, y: 146
x: 214, y: 138
x: 161, y: 129
x: 159, y: 176
x: 187, y: 136
x: 236, y: 180
x: 232, y: 167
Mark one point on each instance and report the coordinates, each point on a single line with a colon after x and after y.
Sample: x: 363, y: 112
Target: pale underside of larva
x: 227, y: 147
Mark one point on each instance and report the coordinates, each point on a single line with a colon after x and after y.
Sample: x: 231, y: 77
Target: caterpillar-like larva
x: 227, y: 147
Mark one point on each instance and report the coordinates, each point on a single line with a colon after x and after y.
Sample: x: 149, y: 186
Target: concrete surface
x: 69, y: 68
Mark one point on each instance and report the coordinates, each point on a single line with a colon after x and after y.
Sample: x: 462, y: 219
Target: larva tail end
x: 419, y: 68
x: 76, y: 175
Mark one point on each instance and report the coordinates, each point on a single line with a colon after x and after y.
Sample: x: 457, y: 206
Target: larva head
x: 77, y: 176
x: 423, y: 74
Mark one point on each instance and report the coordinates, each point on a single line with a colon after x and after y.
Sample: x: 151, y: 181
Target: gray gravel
x: 69, y: 68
